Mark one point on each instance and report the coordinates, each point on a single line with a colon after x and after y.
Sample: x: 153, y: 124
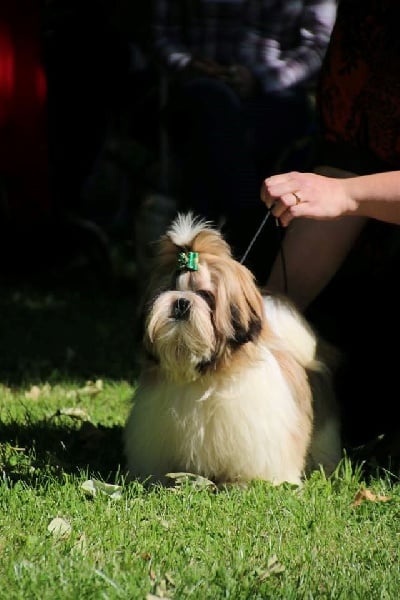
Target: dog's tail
x: 306, y: 347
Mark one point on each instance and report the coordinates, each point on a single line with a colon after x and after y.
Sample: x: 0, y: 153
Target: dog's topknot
x: 186, y: 227
x: 189, y: 233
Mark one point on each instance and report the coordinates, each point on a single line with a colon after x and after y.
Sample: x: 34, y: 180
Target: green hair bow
x: 188, y: 260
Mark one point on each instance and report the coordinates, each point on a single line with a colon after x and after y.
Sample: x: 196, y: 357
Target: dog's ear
x: 245, y: 304
x: 244, y: 332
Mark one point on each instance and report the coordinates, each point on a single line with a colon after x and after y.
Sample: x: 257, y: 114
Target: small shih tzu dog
x: 232, y: 386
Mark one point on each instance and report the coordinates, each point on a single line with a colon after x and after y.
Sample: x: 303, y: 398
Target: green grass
x: 57, y: 431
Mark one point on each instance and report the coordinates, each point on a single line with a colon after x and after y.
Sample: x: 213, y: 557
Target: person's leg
x: 313, y: 251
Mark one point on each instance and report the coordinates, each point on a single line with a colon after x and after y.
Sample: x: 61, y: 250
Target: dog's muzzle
x: 181, y: 309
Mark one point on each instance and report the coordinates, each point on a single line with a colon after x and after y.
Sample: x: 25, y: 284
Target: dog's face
x: 204, y: 306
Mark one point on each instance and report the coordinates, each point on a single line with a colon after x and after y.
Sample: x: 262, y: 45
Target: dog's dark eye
x: 208, y: 297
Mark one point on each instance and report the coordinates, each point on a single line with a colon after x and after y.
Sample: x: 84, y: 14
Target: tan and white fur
x: 232, y: 387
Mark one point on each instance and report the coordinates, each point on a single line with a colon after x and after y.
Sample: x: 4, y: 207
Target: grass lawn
x: 67, y: 374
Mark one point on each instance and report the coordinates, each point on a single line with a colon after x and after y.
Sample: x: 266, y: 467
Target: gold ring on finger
x: 297, y: 197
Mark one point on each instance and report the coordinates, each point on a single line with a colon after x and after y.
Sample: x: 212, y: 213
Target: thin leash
x: 282, y: 255
x: 255, y: 236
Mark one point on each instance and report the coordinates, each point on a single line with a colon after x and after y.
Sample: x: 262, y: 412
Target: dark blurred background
x: 78, y: 129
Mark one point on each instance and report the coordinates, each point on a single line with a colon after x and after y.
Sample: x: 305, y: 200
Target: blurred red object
x: 23, y: 112
x: 7, y: 73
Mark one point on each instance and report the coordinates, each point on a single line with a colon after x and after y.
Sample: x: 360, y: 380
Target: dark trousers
x: 225, y: 147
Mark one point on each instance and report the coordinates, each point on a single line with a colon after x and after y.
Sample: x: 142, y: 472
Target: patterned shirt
x: 282, y: 43
x: 359, y: 89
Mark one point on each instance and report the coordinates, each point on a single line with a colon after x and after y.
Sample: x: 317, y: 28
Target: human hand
x: 309, y: 195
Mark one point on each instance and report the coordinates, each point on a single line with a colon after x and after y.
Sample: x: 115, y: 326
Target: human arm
x: 375, y: 196
x: 288, y: 49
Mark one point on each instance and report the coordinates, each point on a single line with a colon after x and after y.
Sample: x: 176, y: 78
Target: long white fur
x: 217, y: 427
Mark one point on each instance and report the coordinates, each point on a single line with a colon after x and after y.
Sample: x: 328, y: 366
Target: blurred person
x: 341, y: 265
x: 239, y: 77
x: 359, y: 127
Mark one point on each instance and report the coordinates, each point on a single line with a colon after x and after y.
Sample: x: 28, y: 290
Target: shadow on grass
x: 57, y: 332
x: 62, y: 331
x: 46, y: 451
x: 35, y: 453
x: 378, y: 457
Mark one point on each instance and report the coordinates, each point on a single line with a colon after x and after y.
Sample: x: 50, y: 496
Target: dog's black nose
x: 181, y: 308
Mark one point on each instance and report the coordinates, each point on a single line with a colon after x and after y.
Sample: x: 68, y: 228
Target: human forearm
x: 376, y: 196
x: 321, y: 197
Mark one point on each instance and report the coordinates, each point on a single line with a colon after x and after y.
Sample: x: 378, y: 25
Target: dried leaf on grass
x: 73, y: 412
x: 92, y: 487
x: 36, y: 392
x: 92, y: 388
x: 33, y: 393
x: 366, y: 495
x: 197, y: 481
x: 60, y: 528
x: 274, y: 567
